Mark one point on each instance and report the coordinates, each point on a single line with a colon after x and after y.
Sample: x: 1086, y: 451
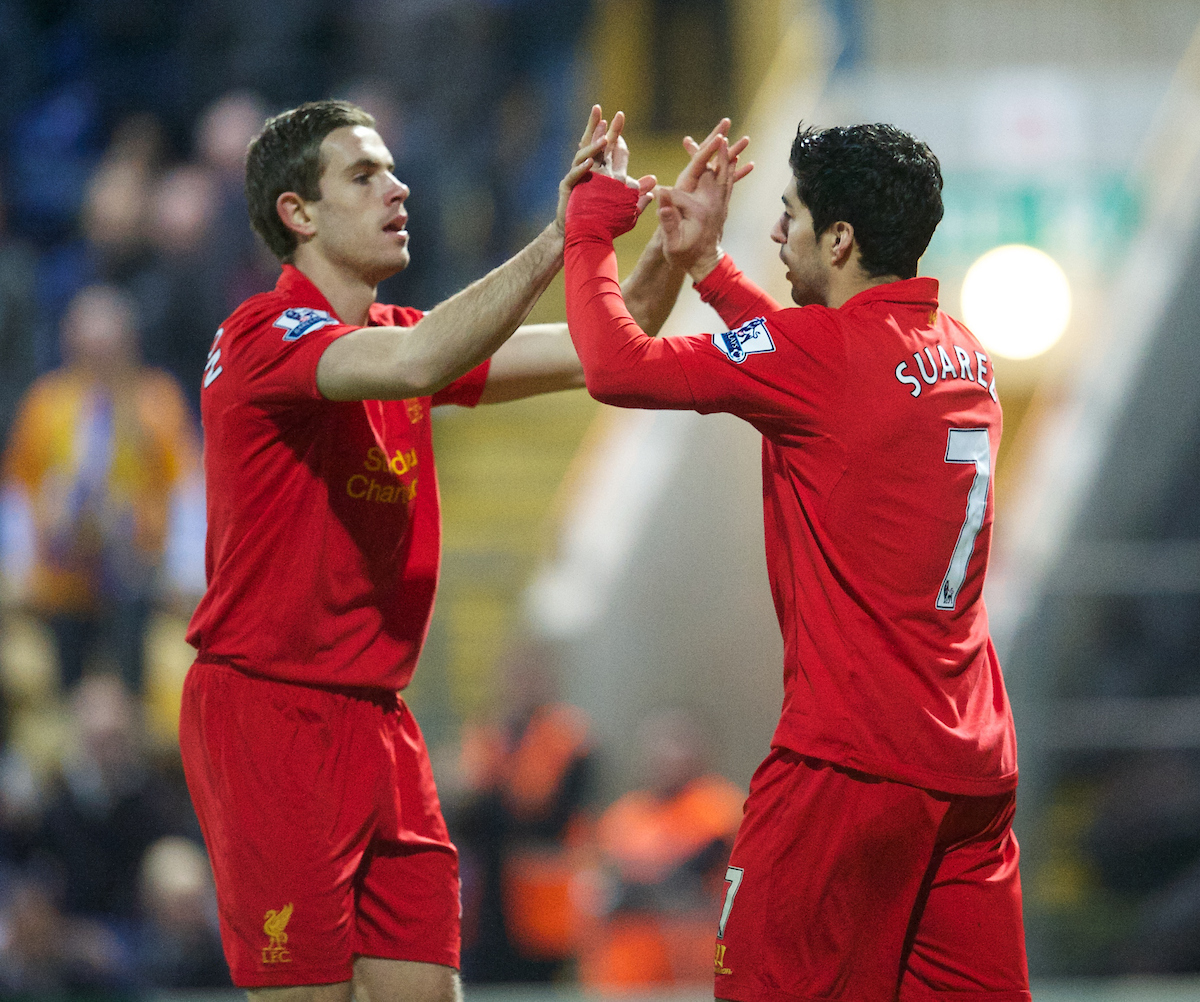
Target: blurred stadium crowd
x: 123, y: 244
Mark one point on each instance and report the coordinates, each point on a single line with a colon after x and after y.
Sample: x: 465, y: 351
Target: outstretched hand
x: 692, y: 213
x: 614, y: 161
x: 602, y: 149
x: 591, y: 145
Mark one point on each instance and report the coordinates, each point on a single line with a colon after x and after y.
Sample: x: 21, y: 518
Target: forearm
x: 621, y: 364
x: 395, y: 363
x: 651, y: 289
x: 541, y: 358
x: 538, y: 358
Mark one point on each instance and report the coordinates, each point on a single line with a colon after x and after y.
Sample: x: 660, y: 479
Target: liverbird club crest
x: 275, y: 925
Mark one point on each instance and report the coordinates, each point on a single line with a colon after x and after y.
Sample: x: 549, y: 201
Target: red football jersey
x: 880, y: 428
x: 324, y: 531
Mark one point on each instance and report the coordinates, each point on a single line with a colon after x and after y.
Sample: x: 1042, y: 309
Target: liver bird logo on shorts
x: 274, y: 925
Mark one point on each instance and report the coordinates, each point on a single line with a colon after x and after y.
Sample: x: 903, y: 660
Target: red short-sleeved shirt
x: 880, y: 428
x: 324, y: 531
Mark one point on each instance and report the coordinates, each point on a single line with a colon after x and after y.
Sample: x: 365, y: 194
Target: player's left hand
x: 591, y: 145
x: 614, y: 162
x: 692, y: 214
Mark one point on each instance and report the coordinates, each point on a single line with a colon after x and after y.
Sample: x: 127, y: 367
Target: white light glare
x: 1016, y: 300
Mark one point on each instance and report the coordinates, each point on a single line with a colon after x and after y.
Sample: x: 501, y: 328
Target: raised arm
x: 691, y: 218
x: 651, y: 289
x: 394, y: 363
x: 622, y: 364
x: 540, y: 358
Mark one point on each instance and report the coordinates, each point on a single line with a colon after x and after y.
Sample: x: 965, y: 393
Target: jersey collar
x: 301, y: 290
x: 914, y: 291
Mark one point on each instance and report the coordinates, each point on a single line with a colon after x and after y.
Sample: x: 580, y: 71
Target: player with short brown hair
x: 310, y: 777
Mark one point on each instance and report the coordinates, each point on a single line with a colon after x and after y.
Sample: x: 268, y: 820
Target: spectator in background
x: 242, y: 263
x: 17, y: 275
x: 535, y: 114
x: 46, y: 953
x: 109, y: 807
x: 518, y: 829
x: 98, y: 452
x: 111, y: 245
x: 665, y: 848
x: 178, y: 942
x: 180, y: 295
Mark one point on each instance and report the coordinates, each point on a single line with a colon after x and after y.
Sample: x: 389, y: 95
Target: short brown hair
x: 285, y: 156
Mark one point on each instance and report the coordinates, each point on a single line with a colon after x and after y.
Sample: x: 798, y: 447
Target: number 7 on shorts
x: 733, y: 877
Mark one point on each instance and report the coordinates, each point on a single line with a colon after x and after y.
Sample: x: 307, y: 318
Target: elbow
x: 606, y: 387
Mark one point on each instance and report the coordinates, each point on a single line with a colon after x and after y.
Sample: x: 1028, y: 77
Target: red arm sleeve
x: 735, y: 298
x: 621, y: 363
x: 781, y: 365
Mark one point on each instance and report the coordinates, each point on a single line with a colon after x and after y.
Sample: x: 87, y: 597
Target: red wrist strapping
x: 600, y: 208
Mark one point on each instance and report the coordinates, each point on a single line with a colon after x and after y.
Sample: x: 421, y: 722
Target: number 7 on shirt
x: 967, y: 445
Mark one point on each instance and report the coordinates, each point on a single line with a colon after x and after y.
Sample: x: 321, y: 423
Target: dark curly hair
x: 285, y: 156
x: 881, y: 181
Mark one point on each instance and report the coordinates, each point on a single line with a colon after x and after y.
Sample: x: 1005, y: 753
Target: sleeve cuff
x: 715, y: 281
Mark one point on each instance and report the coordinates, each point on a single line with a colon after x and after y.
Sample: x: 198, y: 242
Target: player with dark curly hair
x: 876, y: 858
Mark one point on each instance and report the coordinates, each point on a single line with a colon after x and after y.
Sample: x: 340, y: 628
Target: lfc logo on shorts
x: 719, y: 961
x: 274, y: 924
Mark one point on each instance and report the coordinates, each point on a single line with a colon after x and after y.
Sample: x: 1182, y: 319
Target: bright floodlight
x: 1016, y: 300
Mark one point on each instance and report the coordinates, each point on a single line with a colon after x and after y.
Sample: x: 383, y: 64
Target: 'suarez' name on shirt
x: 935, y: 367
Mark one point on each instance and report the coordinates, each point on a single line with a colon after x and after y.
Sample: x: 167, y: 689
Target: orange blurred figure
x: 665, y: 849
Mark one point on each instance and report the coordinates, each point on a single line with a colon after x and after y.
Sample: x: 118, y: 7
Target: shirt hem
x: 969, y: 786
x: 360, y: 691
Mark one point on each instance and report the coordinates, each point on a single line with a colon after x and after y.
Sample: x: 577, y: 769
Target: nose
x: 400, y: 191
x: 778, y: 234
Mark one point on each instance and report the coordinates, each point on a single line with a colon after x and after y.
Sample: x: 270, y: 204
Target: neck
x: 847, y: 283
x: 348, y: 293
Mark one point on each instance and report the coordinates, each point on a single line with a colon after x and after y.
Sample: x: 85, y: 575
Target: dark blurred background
x: 602, y: 673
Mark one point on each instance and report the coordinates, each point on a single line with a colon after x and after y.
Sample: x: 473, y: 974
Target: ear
x: 841, y: 245
x: 294, y: 214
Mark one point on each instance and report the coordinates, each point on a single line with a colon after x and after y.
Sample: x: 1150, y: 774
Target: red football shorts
x: 847, y: 886
x: 323, y: 825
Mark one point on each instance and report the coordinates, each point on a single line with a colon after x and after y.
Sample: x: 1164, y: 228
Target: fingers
x: 741, y: 172
x: 720, y: 129
x: 721, y: 165
x: 699, y: 162
x: 614, y: 133
x: 594, y: 119
x: 576, y: 172
x: 588, y: 152
x: 619, y: 157
x: 645, y: 187
x: 691, y: 147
